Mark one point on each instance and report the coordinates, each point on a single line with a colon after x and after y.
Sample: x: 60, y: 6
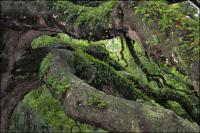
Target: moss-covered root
x: 84, y: 103
x: 119, y: 115
x: 102, y: 74
x: 104, y: 77
x: 91, y: 22
x: 53, y: 76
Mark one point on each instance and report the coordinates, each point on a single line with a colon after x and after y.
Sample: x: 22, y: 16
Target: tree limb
x: 121, y: 115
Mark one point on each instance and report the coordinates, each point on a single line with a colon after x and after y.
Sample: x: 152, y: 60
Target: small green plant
x: 96, y: 101
x: 45, y: 65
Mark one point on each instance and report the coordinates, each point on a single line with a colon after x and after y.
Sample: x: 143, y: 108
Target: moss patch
x: 45, y: 65
x: 95, y: 100
x: 48, y: 108
x: 59, y: 86
x: 176, y: 107
x: 87, y: 17
x: 101, y: 52
x: 169, y: 20
x: 87, y: 67
x: 60, y: 38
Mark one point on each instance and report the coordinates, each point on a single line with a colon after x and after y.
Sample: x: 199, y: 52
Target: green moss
x: 168, y: 19
x: 114, y: 47
x: 97, y: 50
x: 64, y: 39
x: 181, y: 101
x: 59, y: 86
x: 176, y: 107
x: 97, y: 16
x: 45, y: 65
x: 170, y: 74
x: 88, y: 66
x: 95, y: 100
x: 86, y: 17
x: 48, y: 108
x: 58, y: 39
x: 100, y: 51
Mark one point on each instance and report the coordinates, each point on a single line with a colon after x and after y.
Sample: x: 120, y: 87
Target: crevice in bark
x: 100, y: 52
x: 122, y: 50
x: 149, y: 76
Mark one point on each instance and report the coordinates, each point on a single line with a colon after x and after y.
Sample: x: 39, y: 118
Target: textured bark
x: 19, y: 69
x: 169, y: 92
x: 194, y: 73
x: 121, y: 115
x: 124, y: 21
x: 14, y: 45
x: 19, y: 83
x: 118, y: 115
x: 17, y: 78
x: 39, y: 16
x: 10, y: 100
x: 75, y: 101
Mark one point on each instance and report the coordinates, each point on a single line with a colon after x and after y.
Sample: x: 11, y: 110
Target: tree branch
x: 121, y: 115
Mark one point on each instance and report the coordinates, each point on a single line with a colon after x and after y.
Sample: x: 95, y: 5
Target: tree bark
x: 9, y: 101
x: 117, y: 115
x: 17, y: 78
